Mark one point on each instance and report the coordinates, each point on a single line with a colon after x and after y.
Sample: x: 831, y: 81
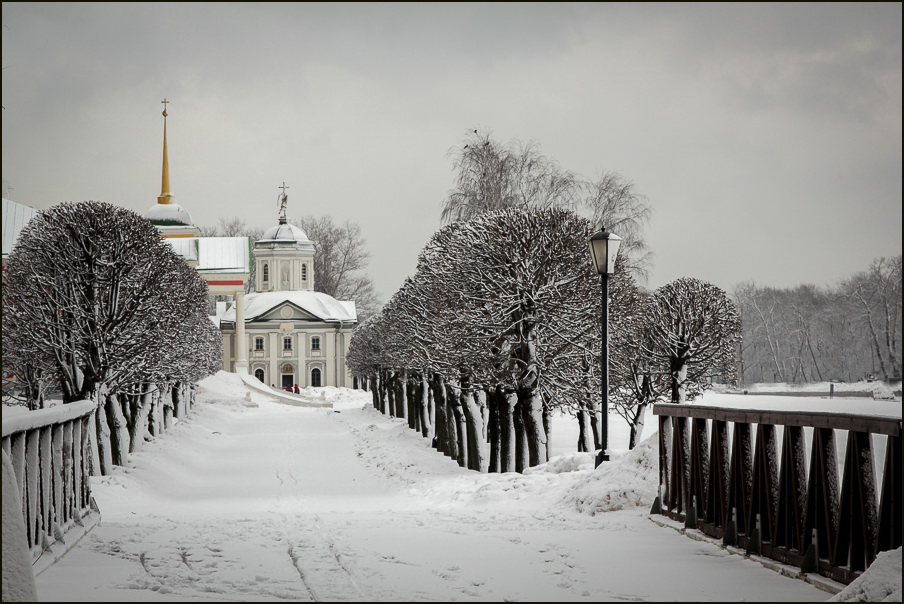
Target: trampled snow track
x: 275, y: 503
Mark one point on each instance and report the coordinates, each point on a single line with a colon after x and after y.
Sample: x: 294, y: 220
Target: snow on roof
x: 285, y: 231
x: 224, y: 254
x: 349, y: 307
x: 168, y: 214
x: 15, y: 217
x: 185, y: 247
x: 322, y: 306
x: 215, y: 254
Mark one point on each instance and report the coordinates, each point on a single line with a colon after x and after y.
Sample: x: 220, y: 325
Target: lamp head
x: 603, y: 250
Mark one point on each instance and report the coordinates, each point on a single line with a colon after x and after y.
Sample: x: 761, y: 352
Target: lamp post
x: 603, y: 249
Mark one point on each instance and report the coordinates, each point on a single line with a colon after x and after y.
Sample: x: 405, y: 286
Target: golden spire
x: 165, y: 195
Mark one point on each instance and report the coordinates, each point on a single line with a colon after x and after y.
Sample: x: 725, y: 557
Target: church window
x: 258, y: 343
x: 287, y: 343
x: 304, y: 272
x: 266, y: 272
x: 315, y: 377
x: 259, y: 374
x: 315, y: 343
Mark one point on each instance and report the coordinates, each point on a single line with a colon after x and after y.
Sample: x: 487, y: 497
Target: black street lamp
x: 604, y: 248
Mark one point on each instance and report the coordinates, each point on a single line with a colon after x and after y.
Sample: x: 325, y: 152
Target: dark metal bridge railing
x: 776, y: 504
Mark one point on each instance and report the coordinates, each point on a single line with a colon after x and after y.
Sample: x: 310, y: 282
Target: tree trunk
x: 508, y: 433
x: 493, y: 430
x: 595, y: 421
x: 119, y: 445
x: 547, y: 430
x: 411, y: 395
x: 473, y: 427
x: 424, y: 406
x: 167, y: 410
x: 521, y: 454
x: 375, y: 393
x: 532, y: 413
x: 401, y: 389
x: 441, y: 423
x: 141, y: 417
x: 381, y: 389
x: 459, y: 426
x: 637, y: 425
x: 176, y: 394
x: 679, y: 374
x: 585, y: 432
x: 391, y: 393
x: 102, y: 431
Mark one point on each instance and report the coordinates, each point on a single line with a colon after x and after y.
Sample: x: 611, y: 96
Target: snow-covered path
x: 265, y: 502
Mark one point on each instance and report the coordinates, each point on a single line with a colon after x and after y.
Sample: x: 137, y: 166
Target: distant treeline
x: 848, y: 332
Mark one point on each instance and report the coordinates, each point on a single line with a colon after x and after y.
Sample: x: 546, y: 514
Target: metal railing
x: 50, y: 454
x: 780, y: 504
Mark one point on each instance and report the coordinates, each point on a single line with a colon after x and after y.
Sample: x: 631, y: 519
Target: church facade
x: 292, y: 334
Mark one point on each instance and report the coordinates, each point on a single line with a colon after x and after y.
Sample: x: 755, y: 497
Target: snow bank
x: 880, y: 583
x: 225, y: 388
x: 629, y: 480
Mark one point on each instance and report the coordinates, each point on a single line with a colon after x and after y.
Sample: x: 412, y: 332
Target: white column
x: 241, y: 346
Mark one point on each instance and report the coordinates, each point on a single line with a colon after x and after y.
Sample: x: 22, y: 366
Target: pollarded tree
x: 26, y: 378
x: 367, y: 355
x: 449, y: 331
x: 526, y: 274
x: 97, y: 287
x: 694, y: 329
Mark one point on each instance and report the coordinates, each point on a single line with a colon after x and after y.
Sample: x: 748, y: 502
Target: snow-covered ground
x: 250, y: 500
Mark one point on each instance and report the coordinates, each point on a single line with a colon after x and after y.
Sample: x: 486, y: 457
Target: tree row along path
x: 256, y: 501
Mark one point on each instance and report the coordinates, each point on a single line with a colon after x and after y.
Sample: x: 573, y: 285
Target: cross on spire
x: 164, y: 101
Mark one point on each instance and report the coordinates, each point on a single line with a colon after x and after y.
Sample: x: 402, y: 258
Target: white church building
x: 292, y: 334
x: 284, y: 333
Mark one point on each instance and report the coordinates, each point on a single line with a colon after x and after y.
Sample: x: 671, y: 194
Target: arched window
x: 287, y: 343
x: 259, y: 374
x: 304, y: 272
x: 315, y: 343
x: 315, y: 377
x: 266, y: 272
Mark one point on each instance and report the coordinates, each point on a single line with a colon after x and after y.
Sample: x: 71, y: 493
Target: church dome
x: 285, y: 232
x: 169, y: 214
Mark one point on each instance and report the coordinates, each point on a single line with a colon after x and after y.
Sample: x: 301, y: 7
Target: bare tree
x: 232, y: 227
x: 806, y: 333
x: 877, y: 295
x: 493, y: 176
x: 614, y: 204
x: 340, y: 262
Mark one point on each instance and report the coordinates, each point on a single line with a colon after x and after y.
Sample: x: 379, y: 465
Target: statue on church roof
x: 282, y: 200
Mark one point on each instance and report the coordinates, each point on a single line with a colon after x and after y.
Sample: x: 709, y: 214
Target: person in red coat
x: 297, y: 389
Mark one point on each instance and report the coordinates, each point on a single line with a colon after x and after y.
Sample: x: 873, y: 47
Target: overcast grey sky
x: 767, y: 137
